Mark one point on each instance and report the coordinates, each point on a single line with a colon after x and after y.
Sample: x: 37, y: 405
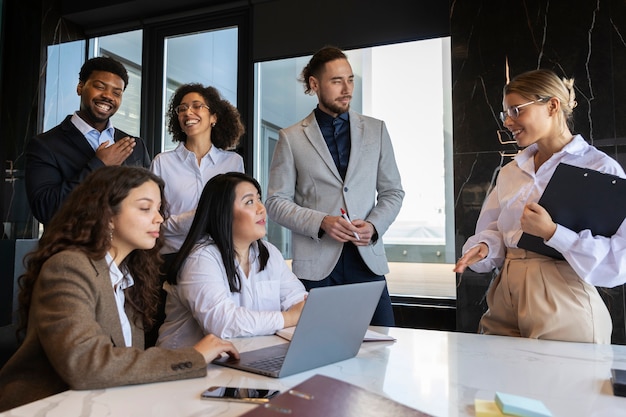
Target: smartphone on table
x: 247, y: 395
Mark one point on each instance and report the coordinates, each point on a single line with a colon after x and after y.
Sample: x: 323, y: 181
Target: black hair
x: 227, y: 130
x: 317, y: 62
x: 213, y: 224
x: 103, y: 63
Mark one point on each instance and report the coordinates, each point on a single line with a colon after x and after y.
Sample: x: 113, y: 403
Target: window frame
x: 152, y: 81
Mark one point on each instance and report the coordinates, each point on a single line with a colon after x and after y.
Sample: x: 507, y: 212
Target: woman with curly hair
x: 89, y: 291
x: 207, y: 129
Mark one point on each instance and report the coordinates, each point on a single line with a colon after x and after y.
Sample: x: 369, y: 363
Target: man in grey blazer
x: 59, y: 159
x: 333, y: 160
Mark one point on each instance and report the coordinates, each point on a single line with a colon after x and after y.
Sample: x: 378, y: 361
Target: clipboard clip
x: 613, y: 181
x: 300, y: 394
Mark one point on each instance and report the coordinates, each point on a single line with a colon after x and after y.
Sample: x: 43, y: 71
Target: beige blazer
x: 305, y: 185
x: 74, y: 338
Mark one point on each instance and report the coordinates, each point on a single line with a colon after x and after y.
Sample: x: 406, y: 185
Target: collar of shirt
x: 336, y: 133
x: 118, y: 278
x: 120, y: 282
x: 253, y: 254
x: 213, y: 156
x: 93, y: 136
x: 574, y: 147
x: 325, y: 119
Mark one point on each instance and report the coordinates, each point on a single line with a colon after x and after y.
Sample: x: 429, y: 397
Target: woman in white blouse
x: 226, y: 280
x: 537, y: 296
x: 207, y: 129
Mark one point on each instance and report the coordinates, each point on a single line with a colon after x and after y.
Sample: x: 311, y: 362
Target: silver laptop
x: 331, y: 328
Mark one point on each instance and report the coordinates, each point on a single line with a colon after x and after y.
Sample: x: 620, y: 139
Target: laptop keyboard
x: 268, y: 364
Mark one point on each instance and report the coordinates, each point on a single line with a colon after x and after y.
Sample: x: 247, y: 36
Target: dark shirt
x: 336, y: 132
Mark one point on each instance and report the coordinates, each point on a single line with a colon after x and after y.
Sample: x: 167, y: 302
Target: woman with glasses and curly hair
x: 90, y: 290
x: 538, y: 296
x: 207, y: 129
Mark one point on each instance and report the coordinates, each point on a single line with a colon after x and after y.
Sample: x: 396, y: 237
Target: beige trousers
x: 539, y: 297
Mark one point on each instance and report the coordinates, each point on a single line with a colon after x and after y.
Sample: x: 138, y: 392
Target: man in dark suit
x: 59, y: 159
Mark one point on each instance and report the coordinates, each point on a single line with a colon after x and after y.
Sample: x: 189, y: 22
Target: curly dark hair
x: 83, y: 223
x: 316, y: 64
x: 103, y: 63
x: 228, y: 129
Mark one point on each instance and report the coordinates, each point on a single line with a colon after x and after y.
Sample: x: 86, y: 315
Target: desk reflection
x: 439, y: 373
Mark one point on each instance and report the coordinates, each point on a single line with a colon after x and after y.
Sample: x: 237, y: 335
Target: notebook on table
x: 329, y: 397
x: 331, y: 329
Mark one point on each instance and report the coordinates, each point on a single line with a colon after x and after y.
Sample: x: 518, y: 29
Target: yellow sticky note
x: 486, y: 408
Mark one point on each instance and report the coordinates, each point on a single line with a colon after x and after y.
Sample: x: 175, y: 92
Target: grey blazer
x: 305, y: 185
x: 74, y: 338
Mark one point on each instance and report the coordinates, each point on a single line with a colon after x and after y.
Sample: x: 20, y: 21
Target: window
x: 208, y: 58
x: 64, y: 62
x: 407, y: 85
x: 126, y: 48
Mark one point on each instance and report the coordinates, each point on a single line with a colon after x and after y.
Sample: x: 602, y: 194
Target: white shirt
x: 184, y: 182
x: 598, y: 260
x: 201, y: 302
x: 120, y: 282
x: 93, y: 136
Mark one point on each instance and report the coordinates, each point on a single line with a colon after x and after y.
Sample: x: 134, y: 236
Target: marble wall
x: 493, y: 40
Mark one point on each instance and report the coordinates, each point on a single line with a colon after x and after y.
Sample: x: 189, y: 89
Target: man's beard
x: 333, y: 106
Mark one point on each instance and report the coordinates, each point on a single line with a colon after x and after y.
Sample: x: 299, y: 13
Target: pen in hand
x: 345, y: 216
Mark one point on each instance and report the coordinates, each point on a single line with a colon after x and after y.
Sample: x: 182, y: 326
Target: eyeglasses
x: 195, y: 106
x: 513, y: 111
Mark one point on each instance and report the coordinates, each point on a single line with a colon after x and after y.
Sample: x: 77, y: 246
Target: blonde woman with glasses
x: 537, y: 296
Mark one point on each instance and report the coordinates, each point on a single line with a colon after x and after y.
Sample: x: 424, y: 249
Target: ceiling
x: 98, y: 13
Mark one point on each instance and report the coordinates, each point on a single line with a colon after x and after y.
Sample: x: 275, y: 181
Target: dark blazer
x: 59, y: 159
x: 74, y: 338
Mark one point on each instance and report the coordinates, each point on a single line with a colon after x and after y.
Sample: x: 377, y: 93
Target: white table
x: 437, y: 372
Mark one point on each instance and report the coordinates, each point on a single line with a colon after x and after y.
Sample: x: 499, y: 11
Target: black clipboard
x: 579, y: 199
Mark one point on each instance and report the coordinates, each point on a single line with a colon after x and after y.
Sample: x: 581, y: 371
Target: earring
x: 213, y: 124
x: 110, y: 235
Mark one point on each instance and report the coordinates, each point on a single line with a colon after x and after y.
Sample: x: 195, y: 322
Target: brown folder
x: 322, y: 396
x: 580, y: 199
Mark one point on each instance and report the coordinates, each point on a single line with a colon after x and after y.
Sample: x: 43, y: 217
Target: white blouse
x: 184, y: 182
x: 598, y: 260
x: 119, y: 282
x: 201, y: 302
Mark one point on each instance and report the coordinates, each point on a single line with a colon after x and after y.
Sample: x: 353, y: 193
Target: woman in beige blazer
x: 90, y: 290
